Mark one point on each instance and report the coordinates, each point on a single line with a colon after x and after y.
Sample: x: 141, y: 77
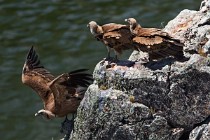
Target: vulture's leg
x: 116, y: 56
x: 67, y: 126
x: 108, y: 54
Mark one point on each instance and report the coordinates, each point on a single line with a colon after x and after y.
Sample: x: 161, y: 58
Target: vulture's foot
x: 66, y: 127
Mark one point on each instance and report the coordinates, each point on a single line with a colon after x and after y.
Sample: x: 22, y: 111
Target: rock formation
x: 162, y: 100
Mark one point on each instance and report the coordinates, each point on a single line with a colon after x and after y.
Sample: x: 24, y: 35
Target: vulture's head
x: 92, y: 24
x: 132, y: 22
x: 45, y: 114
x: 94, y: 28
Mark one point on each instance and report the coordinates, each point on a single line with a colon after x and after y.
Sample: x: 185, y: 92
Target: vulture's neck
x: 99, y: 30
x: 96, y: 30
x: 134, y: 28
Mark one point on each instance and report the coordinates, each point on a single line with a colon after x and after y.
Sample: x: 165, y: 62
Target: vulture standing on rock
x: 61, y: 95
x: 115, y: 36
x: 156, y: 42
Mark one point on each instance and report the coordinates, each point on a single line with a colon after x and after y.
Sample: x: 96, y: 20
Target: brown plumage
x: 61, y: 95
x: 156, y: 42
x: 115, y: 36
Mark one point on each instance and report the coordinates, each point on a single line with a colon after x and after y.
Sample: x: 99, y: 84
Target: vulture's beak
x: 88, y: 25
x: 37, y: 114
x: 126, y: 20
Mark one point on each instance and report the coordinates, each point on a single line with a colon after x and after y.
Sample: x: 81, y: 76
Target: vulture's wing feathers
x: 111, y: 27
x: 148, y: 40
x: 32, y: 60
x: 66, y: 84
x: 33, y: 64
x: 78, y: 78
x: 35, y: 75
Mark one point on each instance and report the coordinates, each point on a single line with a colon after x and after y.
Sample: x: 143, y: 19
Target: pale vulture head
x: 45, y: 114
x: 95, y: 29
x: 133, y: 23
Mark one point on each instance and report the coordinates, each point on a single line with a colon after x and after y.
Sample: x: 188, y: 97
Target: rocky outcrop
x: 162, y: 100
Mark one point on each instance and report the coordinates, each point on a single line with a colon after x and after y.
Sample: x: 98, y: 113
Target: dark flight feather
x: 32, y: 60
x: 78, y: 78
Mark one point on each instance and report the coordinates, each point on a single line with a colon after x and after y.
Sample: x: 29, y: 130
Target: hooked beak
x: 37, y: 114
x: 126, y: 20
x: 88, y: 25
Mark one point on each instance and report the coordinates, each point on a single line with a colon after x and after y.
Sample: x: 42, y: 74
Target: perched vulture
x: 115, y: 36
x: 156, y: 42
x: 61, y: 95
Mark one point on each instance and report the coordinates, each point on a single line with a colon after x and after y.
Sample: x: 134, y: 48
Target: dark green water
x: 57, y: 29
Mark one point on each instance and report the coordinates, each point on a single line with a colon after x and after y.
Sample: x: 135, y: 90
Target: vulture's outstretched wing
x: 78, y: 78
x: 36, y: 76
x: 65, y: 85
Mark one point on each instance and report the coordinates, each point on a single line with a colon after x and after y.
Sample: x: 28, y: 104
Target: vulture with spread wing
x: 61, y: 95
x: 115, y: 36
x: 156, y: 42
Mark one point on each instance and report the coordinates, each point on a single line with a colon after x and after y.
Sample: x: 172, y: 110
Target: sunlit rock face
x: 159, y: 100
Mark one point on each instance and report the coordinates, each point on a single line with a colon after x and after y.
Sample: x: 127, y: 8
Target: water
x: 58, y: 31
